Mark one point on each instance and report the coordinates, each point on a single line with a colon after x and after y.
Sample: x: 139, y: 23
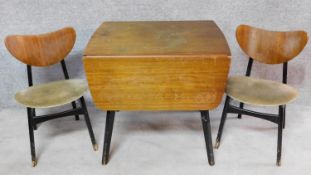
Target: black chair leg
x: 208, y: 136
x: 222, y: 122
x: 35, y: 127
x: 108, y: 135
x: 74, y: 106
x: 284, y: 118
x: 241, y: 107
x: 280, y: 129
x: 30, y: 113
x: 88, y: 124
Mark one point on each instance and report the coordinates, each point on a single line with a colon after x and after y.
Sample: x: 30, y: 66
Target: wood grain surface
x: 157, y: 38
x: 41, y: 50
x: 270, y: 47
x: 157, y: 76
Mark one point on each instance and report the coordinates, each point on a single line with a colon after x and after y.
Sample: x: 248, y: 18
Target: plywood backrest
x: 270, y: 47
x: 44, y: 49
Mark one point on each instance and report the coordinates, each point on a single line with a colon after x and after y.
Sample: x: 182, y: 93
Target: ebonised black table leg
x: 108, y: 135
x: 208, y: 137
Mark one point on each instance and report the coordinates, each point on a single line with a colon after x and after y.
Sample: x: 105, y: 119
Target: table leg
x: 208, y: 137
x: 108, y: 134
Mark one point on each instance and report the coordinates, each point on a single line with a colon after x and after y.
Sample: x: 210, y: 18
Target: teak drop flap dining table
x: 157, y: 65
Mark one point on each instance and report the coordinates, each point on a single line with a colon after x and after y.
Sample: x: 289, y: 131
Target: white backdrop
x: 36, y: 16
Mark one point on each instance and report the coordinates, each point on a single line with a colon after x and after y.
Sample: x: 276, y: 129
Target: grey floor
x: 156, y: 143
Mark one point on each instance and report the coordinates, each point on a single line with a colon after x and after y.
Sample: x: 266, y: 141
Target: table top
x: 163, y: 65
x: 157, y: 38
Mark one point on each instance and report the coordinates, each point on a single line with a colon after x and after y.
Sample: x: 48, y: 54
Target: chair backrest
x: 270, y: 47
x: 44, y: 49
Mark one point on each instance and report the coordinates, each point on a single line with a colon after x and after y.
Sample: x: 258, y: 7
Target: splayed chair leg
x: 241, y: 107
x: 222, y: 122
x: 74, y: 106
x: 30, y: 113
x: 88, y: 124
x: 280, y: 130
x: 284, y: 118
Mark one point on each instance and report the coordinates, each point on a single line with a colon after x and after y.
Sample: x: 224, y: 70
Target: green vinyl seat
x: 52, y: 94
x: 260, y: 92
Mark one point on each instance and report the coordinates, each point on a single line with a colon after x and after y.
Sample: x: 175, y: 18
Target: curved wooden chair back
x: 44, y: 49
x: 270, y: 47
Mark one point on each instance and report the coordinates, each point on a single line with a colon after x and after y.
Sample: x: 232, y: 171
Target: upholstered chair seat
x: 259, y: 92
x: 51, y: 94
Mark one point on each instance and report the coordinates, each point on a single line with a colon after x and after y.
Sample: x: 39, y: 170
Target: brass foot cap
x: 95, y: 147
x: 211, y: 163
x: 34, y: 163
x: 104, y: 162
x: 217, y: 144
x: 278, y: 163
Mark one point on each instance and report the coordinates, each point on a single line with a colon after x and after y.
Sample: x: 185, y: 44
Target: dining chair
x: 268, y: 47
x: 41, y: 51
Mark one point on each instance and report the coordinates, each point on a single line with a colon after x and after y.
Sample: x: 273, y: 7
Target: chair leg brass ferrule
x: 217, y: 144
x: 34, y: 163
x: 278, y: 163
x: 95, y: 147
x: 104, y: 161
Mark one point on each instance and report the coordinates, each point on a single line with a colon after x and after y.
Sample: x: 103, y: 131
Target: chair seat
x: 51, y: 94
x: 259, y: 92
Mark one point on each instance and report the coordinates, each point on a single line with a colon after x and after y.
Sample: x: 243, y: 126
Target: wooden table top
x: 157, y: 38
x: 165, y: 65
